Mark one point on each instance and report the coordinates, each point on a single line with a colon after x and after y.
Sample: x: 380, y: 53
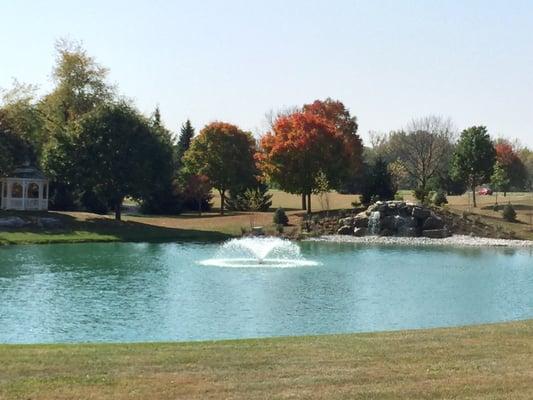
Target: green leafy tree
x: 118, y: 154
x: 164, y: 196
x: 225, y: 154
x: 184, y: 141
x: 499, y: 179
x: 19, y: 110
x: 474, y: 158
x: 14, y: 150
x: 80, y: 86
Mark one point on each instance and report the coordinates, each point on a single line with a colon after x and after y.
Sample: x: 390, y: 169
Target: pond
x: 131, y: 292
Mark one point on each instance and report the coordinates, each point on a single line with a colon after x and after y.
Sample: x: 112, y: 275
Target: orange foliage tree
x: 512, y: 164
x: 224, y: 154
x: 301, y: 147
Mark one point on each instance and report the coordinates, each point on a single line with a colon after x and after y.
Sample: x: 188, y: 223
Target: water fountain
x: 259, y: 252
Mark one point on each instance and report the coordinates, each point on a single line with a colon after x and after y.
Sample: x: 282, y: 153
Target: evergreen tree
x: 378, y: 183
x: 184, y: 141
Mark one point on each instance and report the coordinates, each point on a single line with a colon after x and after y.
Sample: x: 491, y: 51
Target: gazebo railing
x: 24, y: 204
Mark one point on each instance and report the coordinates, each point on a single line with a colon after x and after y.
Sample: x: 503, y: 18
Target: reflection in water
x: 150, y: 292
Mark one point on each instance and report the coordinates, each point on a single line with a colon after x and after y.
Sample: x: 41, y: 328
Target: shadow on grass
x: 71, y: 229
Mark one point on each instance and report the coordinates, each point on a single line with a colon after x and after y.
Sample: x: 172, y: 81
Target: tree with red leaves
x: 513, y: 166
x: 300, y: 147
x: 346, y: 127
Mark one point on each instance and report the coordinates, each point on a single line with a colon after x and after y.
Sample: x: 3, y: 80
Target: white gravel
x: 456, y: 240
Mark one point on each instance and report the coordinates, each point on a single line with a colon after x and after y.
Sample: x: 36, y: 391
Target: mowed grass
x: 480, y: 362
x: 87, y: 227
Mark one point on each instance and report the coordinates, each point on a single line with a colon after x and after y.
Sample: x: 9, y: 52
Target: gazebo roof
x: 27, y: 172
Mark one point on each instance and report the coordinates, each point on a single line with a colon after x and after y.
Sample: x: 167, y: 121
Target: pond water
x: 128, y: 292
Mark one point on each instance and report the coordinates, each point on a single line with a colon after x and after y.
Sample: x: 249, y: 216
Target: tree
x: 117, y: 154
x: 298, y: 148
x: 225, y: 154
x: 184, y: 141
x: 164, y: 197
x: 378, y: 183
x: 513, y: 165
x: 424, y: 149
x: 474, y: 157
x: 19, y: 110
x: 526, y: 156
x: 346, y: 127
x: 198, y: 189
x: 14, y: 150
x: 80, y: 86
x: 499, y: 179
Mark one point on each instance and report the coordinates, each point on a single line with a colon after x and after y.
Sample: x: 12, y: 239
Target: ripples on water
x: 152, y: 292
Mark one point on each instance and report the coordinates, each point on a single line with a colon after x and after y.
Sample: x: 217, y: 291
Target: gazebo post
x: 40, y: 207
x: 23, y: 194
x: 8, y: 200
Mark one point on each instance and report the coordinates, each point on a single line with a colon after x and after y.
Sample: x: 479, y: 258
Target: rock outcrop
x: 395, y: 218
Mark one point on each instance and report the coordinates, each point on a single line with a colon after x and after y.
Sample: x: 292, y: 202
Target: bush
x: 509, y: 214
x: 439, y: 198
x: 421, y: 194
x: 252, y: 199
x: 280, y: 218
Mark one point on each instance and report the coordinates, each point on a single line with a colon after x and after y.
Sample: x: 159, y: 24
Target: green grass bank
x: 478, y: 362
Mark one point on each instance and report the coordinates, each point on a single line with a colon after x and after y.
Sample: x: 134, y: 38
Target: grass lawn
x: 481, y: 362
x: 82, y: 227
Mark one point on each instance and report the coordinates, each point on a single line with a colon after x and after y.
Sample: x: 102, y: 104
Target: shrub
x: 439, y: 198
x: 509, y: 213
x: 280, y: 218
x: 279, y: 228
x: 251, y: 199
x: 421, y: 194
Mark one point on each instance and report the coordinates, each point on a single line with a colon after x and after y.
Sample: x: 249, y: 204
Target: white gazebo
x: 25, y: 189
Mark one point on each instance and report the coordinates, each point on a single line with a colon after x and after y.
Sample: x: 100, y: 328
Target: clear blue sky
x: 388, y: 61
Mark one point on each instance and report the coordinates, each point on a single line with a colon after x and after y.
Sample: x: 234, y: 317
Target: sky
x: 229, y: 60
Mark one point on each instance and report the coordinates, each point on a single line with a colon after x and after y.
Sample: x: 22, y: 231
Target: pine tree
x: 184, y: 141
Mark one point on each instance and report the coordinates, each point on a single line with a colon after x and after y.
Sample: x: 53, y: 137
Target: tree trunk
x: 474, y: 195
x: 222, y: 201
x: 118, y: 210
x: 304, y: 204
x: 200, y: 207
x: 309, y: 203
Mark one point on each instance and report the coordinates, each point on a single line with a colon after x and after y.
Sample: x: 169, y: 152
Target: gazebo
x: 26, y: 188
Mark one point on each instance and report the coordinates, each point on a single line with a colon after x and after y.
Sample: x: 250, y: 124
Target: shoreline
x: 452, y: 241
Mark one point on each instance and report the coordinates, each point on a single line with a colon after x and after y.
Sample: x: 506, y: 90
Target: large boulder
x: 361, y: 220
x: 421, y: 213
x: 433, y: 222
x: 435, y: 233
x: 13, y: 222
x: 345, y: 230
x: 348, y: 221
x: 49, y: 222
x: 389, y: 223
x: 359, y: 232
